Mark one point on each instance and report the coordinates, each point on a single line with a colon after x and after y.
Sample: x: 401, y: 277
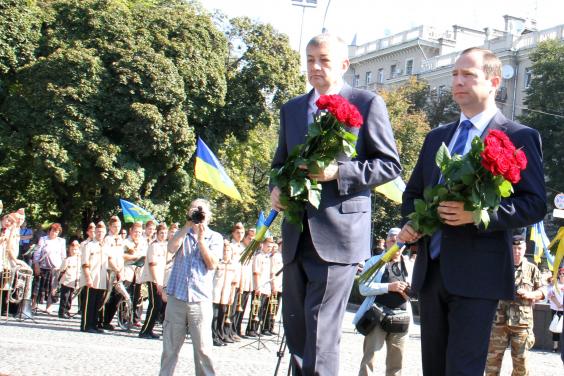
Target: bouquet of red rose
x: 327, y: 138
x: 479, y: 179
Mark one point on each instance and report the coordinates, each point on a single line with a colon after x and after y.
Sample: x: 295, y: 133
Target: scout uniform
x: 95, y: 255
x: 69, y: 282
x: 156, y: 258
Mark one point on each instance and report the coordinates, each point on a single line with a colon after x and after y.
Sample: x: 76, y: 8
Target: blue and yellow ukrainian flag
x: 134, y: 213
x: 209, y: 170
x: 539, y: 238
x: 392, y: 189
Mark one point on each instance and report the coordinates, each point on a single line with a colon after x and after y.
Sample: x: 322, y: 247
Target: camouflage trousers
x: 520, y: 341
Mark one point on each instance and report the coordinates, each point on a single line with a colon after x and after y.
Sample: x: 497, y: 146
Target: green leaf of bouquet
x: 420, y: 206
x: 348, y: 148
x: 297, y: 186
x: 350, y: 137
x: 314, y: 197
x: 505, y: 188
x: 485, y: 218
x: 490, y: 194
x: 443, y: 156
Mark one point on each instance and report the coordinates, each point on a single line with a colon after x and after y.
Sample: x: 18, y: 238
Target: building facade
x: 430, y: 54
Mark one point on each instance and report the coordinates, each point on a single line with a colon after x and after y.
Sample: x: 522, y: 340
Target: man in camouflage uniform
x: 513, y: 322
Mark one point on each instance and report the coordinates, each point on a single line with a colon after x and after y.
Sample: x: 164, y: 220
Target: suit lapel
x: 448, y: 133
x: 498, y: 122
x: 300, y: 117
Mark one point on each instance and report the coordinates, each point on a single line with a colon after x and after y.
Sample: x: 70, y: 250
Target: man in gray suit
x: 320, y: 262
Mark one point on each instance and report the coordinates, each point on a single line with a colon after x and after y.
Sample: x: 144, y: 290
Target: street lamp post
x: 304, y: 4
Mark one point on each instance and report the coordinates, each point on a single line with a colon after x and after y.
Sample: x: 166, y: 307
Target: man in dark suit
x: 463, y: 270
x: 320, y: 262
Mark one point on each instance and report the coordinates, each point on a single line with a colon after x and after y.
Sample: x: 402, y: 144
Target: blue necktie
x: 458, y: 148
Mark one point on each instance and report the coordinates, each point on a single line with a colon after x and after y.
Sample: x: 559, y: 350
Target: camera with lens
x: 197, y: 215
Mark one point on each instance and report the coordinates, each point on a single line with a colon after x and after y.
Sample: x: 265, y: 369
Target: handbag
x: 556, y: 324
x: 370, y: 319
x: 395, y: 321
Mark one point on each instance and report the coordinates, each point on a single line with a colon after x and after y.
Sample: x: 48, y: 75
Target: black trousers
x: 215, y: 320
x: 238, y: 316
x: 134, y: 290
x: 455, y: 330
x: 66, y: 300
x: 110, y: 308
x: 154, y: 308
x: 92, y: 300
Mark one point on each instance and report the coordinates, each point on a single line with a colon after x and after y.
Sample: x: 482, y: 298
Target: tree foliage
x: 545, y: 107
x: 410, y: 126
x: 105, y: 99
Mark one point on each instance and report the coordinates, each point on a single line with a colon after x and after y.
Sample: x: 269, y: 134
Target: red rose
x: 521, y: 159
x: 492, y: 152
x: 513, y: 175
x: 492, y: 142
x: 503, y: 163
x: 345, y: 112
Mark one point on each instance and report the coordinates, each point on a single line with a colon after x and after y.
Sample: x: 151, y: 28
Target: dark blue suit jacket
x: 476, y: 262
x: 340, y: 227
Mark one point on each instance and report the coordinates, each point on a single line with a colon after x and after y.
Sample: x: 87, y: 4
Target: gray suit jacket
x: 340, y: 227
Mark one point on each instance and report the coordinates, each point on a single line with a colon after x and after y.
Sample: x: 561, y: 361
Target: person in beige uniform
x: 153, y: 275
x: 245, y: 287
x: 95, y: 260
x: 223, y: 281
x: 70, y: 273
x: 276, y: 265
x: 261, y: 287
x: 115, y: 242
x: 134, y: 256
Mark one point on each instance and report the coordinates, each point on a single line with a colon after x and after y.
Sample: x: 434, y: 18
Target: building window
x: 393, y: 71
x: 355, y: 80
x: 441, y: 90
x: 381, y: 75
x: 528, y: 77
x: 409, y: 67
x: 368, y: 77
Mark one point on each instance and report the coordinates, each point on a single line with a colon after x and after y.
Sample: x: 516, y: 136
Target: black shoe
x: 100, y: 330
x: 149, y: 336
x: 227, y: 340
x: 217, y: 342
x: 252, y: 334
x: 93, y: 330
x: 108, y: 327
x: 64, y: 317
x: 554, y: 350
x: 266, y: 333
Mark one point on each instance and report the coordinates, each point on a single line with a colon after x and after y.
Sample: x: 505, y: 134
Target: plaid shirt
x: 190, y: 280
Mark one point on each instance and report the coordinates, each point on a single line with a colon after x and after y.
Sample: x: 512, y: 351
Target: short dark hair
x: 492, y: 64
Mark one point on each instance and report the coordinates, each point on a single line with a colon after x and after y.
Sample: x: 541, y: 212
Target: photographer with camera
x: 198, y: 250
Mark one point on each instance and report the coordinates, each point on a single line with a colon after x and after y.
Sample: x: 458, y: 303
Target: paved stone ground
x: 56, y: 347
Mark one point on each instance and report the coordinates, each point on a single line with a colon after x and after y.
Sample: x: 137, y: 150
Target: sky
x: 373, y: 19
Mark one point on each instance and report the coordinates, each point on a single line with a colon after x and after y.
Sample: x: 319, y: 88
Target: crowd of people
x: 113, y: 264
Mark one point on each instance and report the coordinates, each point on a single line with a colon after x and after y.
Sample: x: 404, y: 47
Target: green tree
x: 20, y: 23
x: 410, y: 128
x: 262, y: 74
x: 545, y: 107
x: 102, y: 114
